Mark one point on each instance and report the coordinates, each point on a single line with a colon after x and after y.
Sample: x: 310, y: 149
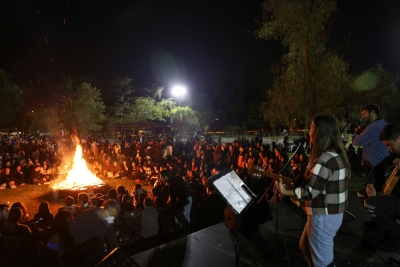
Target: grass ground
x: 33, y: 195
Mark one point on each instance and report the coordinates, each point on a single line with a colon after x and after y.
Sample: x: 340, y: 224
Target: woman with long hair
x: 324, y: 191
x: 44, y: 217
x: 25, y: 215
x: 57, y: 237
x: 14, y: 228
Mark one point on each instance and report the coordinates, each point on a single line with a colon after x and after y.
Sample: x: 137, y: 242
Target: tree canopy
x: 377, y: 86
x: 85, y: 111
x: 184, y: 119
x: 311, y: 79
x: 146, y: 108
x: 11, y: 98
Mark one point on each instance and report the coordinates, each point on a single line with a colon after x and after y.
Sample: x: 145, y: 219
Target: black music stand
x: 236, y: 195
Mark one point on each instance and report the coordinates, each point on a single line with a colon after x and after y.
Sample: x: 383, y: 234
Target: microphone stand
x: 277, y: 199
x: 287, y: 163
x: 347, y: 124
x: 347, y: 212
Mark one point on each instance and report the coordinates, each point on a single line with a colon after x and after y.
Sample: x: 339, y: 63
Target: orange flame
x: 79, y: 176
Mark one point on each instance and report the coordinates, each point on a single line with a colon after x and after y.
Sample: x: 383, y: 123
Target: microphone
x: 360, y: 128
x: 362, y: 120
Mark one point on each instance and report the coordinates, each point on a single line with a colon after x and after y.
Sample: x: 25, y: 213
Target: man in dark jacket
x: 180, y: 198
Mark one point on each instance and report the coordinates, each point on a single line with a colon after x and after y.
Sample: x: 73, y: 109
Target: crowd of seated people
x: 55, y: 235
x: 190, y: 163
x: 27, y: 161
x: 31, y: 161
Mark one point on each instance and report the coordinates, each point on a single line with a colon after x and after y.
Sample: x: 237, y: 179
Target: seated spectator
x: 121, y: 191
x: 35, y: 177
x: 99, y: 195
x: 116, y: 170
x: 141, y: 173
x: 4, y: 210
x: 89, y: 156
x: 96, y: 222
x: 138, y: 190
x: 278, y: 161
x: 95, y: 202
x: 126, y: 205
x: 124, y: 169
x: 25, y: 215
x: 133, y: 171
x: 149, y: 219
x: 112, y: 194
x: 14, y: 228
x: 46, y: 172
x: 44, y: 217
x: 57, y: 237
x: 96, y: 167
x: 120, y: 156
x: 19, y: 176
x: 107, y: 168
x: 69, y: 205
x: 83, y: 200
x: 7, y: 180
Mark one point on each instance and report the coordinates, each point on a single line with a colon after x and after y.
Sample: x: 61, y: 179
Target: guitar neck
x: 273, y: 176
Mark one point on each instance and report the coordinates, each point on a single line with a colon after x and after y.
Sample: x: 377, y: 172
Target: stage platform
x: 214, y: 246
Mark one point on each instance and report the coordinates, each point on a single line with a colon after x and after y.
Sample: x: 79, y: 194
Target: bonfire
x: 79, y: 177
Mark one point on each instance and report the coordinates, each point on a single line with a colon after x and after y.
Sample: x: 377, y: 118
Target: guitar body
x: 230, y: 218
x: 257, y: 213
x: 391, y: 183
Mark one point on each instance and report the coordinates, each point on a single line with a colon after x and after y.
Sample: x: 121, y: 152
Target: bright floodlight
x: 178, y: 91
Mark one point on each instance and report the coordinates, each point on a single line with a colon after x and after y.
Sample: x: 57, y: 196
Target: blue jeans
x: 316, y: 242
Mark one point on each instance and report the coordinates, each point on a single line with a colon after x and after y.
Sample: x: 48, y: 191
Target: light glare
x: 178, y: 90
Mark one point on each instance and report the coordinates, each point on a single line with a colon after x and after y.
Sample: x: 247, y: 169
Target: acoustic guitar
x: 391, y: 182
x: 258, y: 172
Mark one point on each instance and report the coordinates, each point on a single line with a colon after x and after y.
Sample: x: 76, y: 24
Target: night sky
x: 195, y: 43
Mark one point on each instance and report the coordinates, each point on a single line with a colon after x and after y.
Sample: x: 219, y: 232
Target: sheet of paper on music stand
x: 231, y: 187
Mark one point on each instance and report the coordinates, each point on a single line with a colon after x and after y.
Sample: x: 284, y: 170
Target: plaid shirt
x: 326, y: 190
x: 139, y: 191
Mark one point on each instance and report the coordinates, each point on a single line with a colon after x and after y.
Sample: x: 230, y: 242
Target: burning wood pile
x: 78, y: 179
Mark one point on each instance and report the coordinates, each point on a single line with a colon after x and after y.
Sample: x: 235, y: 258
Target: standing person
x: 324, y: 191
x: 374, y: 151
x: 180, y: 198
